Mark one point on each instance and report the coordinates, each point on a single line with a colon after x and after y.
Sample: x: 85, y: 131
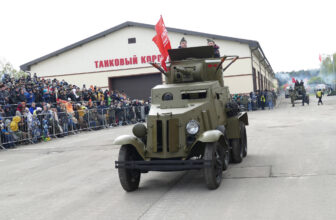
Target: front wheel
x: 129, y: 178
x: 215, y: 153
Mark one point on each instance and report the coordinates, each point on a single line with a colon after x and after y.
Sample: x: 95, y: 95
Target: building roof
x: 254, y: 45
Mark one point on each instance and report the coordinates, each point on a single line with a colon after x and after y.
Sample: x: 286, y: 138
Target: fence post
x: 54, y: 127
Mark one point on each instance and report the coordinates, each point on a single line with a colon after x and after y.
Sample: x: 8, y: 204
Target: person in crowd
x: 250, y: 101
x: 30, y: 96
x: 6, y: 136
x: 63, y: 118
x: 319, y: 95
x: 183, y: 43
x: 301, y: 83
x: 21, y: 97
x: 262, y: 101
x: 35, y: 127
x: 269, y: 99
x: 216, y: 48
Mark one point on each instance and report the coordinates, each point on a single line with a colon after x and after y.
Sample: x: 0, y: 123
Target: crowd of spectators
x: 256, y: 100
x: 34, y: 109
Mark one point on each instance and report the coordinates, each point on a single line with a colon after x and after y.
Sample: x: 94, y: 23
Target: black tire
x: 226, y: 158
x: 213, y: 175
x: 243, y: 137
x: 129, y: 178
x: 236, y: 151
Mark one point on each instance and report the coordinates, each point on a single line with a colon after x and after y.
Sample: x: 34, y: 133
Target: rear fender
x: 233, y: 125
x: 242, y: 116
x: 131, y: 140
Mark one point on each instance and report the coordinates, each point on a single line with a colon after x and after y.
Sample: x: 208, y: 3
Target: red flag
x: 293, y: 80
x: 320, y: 58
x: 162, y: 41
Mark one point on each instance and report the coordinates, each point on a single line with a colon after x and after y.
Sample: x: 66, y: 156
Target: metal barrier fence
x: 2, y: 105
x: 33, y: 128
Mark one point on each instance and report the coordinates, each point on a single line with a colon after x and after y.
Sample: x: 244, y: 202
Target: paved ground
x: 290, y: 173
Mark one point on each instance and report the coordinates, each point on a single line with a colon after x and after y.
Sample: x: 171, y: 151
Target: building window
x: 254, y: 79
x: 131, y: 40
x: 259, y: 81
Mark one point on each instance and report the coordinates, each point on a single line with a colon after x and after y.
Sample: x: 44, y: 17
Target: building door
x: 136, y: 86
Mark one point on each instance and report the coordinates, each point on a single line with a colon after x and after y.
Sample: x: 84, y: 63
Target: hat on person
x: 210, y: 40
x: 183, y: 40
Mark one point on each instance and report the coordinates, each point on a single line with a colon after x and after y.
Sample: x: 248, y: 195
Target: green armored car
x: 299, y: 93
x: 192, y: 124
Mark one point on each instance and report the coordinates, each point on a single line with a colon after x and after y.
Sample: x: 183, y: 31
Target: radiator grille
x: 165, y: 136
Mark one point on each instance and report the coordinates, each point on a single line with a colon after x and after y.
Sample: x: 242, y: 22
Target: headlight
x: 192, y: 127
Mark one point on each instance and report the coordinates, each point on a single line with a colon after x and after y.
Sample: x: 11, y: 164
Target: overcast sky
x: 291, y: 33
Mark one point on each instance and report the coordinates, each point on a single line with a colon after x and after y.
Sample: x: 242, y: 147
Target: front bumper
x: 164, y: 165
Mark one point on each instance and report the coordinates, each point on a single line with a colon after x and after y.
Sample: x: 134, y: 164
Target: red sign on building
x: 126, y: 61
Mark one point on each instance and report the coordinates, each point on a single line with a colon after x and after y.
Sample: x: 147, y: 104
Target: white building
x: 118, y: 58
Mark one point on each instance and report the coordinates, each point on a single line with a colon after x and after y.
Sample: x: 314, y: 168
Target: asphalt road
x: 289, y: 173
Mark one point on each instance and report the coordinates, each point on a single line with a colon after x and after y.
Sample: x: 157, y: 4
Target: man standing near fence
x: 262, y: 101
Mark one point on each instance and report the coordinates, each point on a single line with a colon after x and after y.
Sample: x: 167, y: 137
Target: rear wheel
x: 129, y: 178
x: 243, y: 138
x: 237, y: 150
x: 215, y: 153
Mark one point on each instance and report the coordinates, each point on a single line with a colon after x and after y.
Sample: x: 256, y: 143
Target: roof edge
x: 26, y: 66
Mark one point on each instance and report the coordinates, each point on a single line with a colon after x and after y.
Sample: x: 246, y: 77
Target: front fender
x: 134, y: 141
x: 210, y: 136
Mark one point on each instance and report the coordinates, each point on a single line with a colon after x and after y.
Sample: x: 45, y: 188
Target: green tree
x: 328, y: 64
x: 315, y: 80
x: 328, y: 69
x: 7, y: 68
